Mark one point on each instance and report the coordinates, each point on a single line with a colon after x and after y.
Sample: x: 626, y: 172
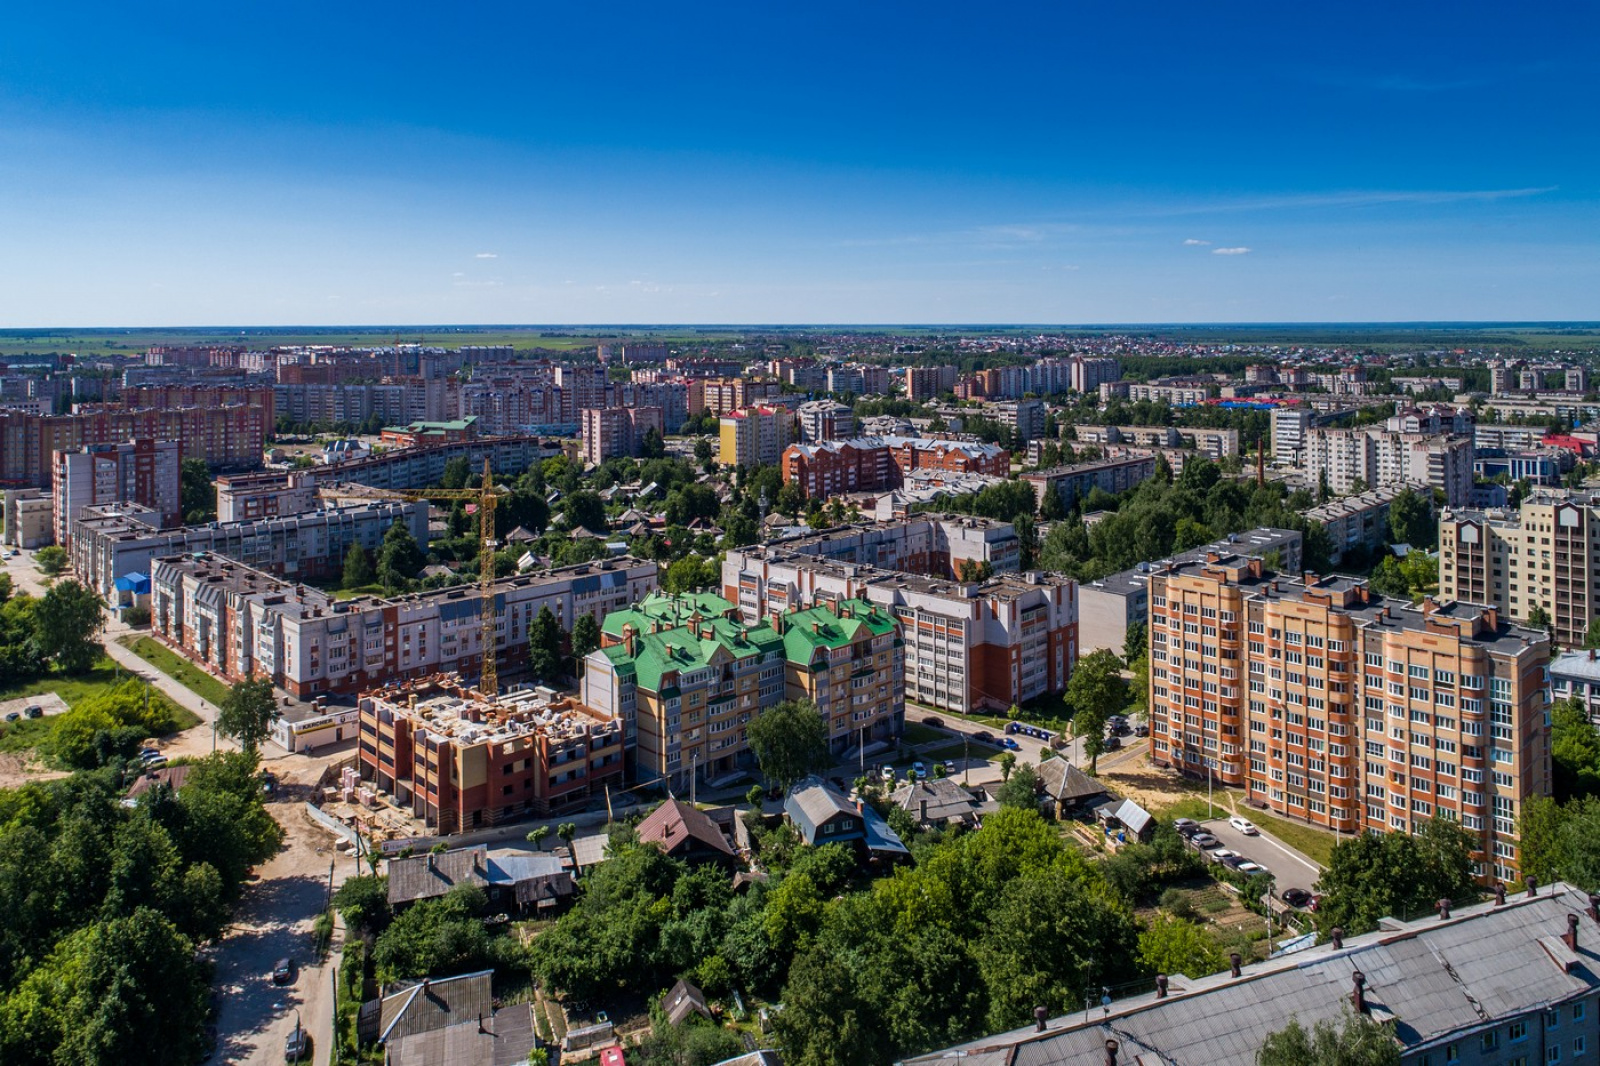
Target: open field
x: 178, y: 668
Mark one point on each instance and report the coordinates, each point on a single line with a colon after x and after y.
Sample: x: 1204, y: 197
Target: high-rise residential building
x: 1079, y: 479
x: 461, y: 762
x: 756, y: 436
x: 1089, y: 373
x: 226, y: 437
x: 686, y: 675
x: 609, y: 432
x: 1357, y: 523
x: 1024, y: 418
x: 924, y: 383
x: 147, y: 472
x: 722, y: 396
x: 1577, y: 379
x: 1545, y: 557
x: 1331, y: 705
x: 826, y: 420
x: 1369, y: 458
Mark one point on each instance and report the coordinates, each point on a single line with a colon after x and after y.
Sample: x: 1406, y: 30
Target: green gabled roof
x: 682, y: 647
x: 800, y: 640
x: 667, y: 611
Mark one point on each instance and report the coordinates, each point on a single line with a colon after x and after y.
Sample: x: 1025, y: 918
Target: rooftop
x: 1254, y: 543
x: 444, y: 705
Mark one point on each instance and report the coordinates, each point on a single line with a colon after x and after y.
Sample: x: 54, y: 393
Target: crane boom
x: 488, y: 639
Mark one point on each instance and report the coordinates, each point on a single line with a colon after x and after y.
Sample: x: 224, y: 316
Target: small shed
x: 1128, y: 819
x: 684, y: 1000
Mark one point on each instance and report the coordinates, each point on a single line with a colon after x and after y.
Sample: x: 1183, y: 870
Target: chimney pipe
x: 1533, y: 885
x: 1593, y: 909
x: 1358, y: 996
x: 1161, y: 986
x: 1336, y: 936
x: 1111, y: 1052
x: 1039, y: 1016
x: 1571, y: 935
x: 1444, y: 910
x: 1234, y: 959
x: 1499, y: 895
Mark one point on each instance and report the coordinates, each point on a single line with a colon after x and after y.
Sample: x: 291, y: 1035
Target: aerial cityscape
x: 843, y: 536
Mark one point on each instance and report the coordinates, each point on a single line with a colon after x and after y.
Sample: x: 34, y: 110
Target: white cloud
x: 1193, y: 243
x: 488, y: 255
x: 1230, y: 251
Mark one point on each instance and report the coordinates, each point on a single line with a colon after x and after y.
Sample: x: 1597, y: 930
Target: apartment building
x: 753, y: 436
x: 1576, y: 675
x: 826, y: 420
x: 161, y: 397
x: 1074, y: 481
x: 1087, y: 374
x: 1372, y: 458
x: 1505, y: 982
x: 686, y: 675
x: 147, y: 472
x: 859, y: 379
x: 723, y: 396
x: 934, y: 545
x: 462, y: 762
x: 1330, y: 705
x: 924, y: 383
x: 864, y: 464
x: 395, y: 402
x: 238, y: 621
x: 1110, y: 607
x: 1214, y: 443
x: 610, y: 432
x: 29, y: 518
x: 229, y: 437
x: 1355, y: 523
x: 1546, y: 555
x: 1024, y: 418
x: 969, y: 645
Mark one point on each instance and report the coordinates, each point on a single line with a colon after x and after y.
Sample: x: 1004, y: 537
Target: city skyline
x: 831, y: 165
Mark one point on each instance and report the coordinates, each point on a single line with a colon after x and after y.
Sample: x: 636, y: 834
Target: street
x: 1290, y: 869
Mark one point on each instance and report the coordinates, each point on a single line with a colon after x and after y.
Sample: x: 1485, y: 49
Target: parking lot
x: 1290, y: 869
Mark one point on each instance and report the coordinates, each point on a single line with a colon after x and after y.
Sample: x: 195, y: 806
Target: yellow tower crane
x: 485, y: 497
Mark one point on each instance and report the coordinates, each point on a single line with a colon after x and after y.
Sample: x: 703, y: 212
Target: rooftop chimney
x: 1444, y: 910
x: 1039, y: 1016
x: 1571, y: 935
x: 1111, y: 1052
x: 1161, y: 986
x: 1533, y: 885
x: 1234, y: 960
x: 1358, y: 995
x: 1336, y: 936
x: 1499, y: 895
x: 922, y: 812
x: 1593, y: 909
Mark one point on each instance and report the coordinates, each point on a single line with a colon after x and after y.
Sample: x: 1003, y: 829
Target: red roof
x: 612, y: 1056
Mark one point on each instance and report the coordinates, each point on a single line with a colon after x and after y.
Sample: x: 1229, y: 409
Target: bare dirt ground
x: 18, y: 770
x: 1132, y: 775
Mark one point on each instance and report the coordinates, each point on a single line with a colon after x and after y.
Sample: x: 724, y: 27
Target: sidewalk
x: 196, y: 740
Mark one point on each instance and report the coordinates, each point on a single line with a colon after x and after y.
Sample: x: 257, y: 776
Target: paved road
x: 1290, y: 868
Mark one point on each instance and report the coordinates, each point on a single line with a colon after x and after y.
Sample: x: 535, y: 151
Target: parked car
x: 13, y: 716
x: 1205, y: 841
x: 34, y: 711
x: 1251, y: 868
x: 1141, y: 730
x: 984, y: 736
x: 1296, y: 897
x: 919, y: 769
x: 1244, y: 825
x: 1113, y: 742
x: 297, y: 1045
x: 887, y: 773
x: 283, y: 971
x: 153, y: 764
x: 937, y: 723
x: 1186, y: 827
x: 950, y: 767
x: 1010, y: 744
x: 1229, y: 859
x: 1121, y: 729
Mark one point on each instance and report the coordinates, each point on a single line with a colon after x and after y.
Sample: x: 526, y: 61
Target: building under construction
x: 460, y: 762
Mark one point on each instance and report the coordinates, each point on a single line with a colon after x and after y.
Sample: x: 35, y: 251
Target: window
x: 1490, y: 1041
x: 1578, y: 1011
x: 1518, y: 1031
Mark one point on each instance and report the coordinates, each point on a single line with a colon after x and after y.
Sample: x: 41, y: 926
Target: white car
x: 1243, y: 825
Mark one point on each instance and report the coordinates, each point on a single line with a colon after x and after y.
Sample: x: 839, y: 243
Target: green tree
x: 358, y: 571
x: 652, y: 446
x: 197, y: 492
x: 1411, y: 519
x: 247, y: 713
x: 1591, y: 636
x: 399, y: 560
x: 1574, y: 750
x: 585, y: 509
x: 544, y: 645
x: 1171, y: 945
x: 1538, y: 618
x: 1135, y: 644
x: 790, y: 741
x: 51, y: 559
x: 1356, y: 1041
x: 1008, y: 762
x: 704, y: 455
x: 585, y: 637
x: 363, y: 903
x: 1020, y: 789
x: 67, y: 620
x: 1400, y: 874
x: 1389, y: 579
x: 537, y: 836
x: 1095, y: 691
x: 456, y: 473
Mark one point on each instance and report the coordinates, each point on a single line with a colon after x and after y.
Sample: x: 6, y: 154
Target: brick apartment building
x: 864, y: 464
x: 147, y: 472
x: 461, y: 762
x: 610, y: 432
x: 753, y: 436
x: 238, y: 621
x: 147, y: 397
x: 1334, y: 706
x: 227, y: 437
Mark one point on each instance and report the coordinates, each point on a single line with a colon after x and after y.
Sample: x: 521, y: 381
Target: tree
x: 1539, y: 618
x: 1357, y: 1041
x: 652, y: 446
x: 1411, y: 519
x: 67, y: 620
x: 1135, y: 644
x: 358, y: 571
x: 1395, y: 874
x: 1020, y: 790
x: 1171, y: 945
x: 790, y: 742
x: 1095, y: 691
x: 1574, y: 750
x: 197, y: 493
x: 456, y: 473
x: 1389, y: 579
x: 399, y: 560
x: 586, y: 509
x: 51, y: 559
x: 1008, y: 762
x: 585, y: 637
x: 704, y: 455
x: 363, y: 902
x: 544, y: 645
x: 247, y: 713
x: 537, y: 836
x: 1591, y: 636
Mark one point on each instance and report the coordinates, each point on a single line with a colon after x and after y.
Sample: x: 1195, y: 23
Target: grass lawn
x: 959, y: 751
x: 176, y: 667
x: 916, y: 733
x: 27, y: 733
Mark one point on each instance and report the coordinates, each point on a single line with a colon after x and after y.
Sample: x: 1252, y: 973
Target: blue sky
x: 297, y: 163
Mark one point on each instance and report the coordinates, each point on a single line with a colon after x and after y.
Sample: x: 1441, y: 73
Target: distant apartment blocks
x: 1333, y: 706
x: 1373, y: 458
x: 754, y: 436
x: 825, y: 420
x: 146, y: 472
x: 613, y: 432
x: 1358, y: 523
x: 1075, y: 481
x: 865, y: 464
x: 226, y: 437
x: 1215, y: 443
x: 240, y: 622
